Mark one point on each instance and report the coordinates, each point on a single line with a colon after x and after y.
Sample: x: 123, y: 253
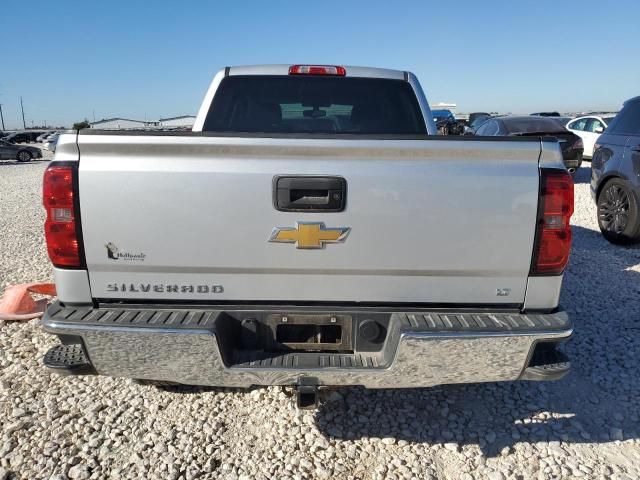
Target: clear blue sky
x: 131, y: 59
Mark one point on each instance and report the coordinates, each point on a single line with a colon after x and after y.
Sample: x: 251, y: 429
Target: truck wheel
x: 618, y: 215
x: 24, y: 156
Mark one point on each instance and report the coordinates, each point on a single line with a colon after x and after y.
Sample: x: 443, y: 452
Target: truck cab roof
x: 283, y: 69
x: 312, y: 73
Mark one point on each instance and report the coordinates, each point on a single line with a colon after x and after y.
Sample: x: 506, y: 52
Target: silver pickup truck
x: 311, y: 230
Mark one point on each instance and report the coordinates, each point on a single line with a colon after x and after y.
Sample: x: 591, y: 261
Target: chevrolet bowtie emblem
x: 309, y: 235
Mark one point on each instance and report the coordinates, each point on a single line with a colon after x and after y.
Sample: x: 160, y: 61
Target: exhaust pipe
x: 571, y: 170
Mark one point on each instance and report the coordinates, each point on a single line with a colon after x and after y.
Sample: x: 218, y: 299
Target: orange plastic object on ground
x: 17, y: 303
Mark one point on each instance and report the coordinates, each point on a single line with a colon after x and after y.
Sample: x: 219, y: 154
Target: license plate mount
x: 316, y: 332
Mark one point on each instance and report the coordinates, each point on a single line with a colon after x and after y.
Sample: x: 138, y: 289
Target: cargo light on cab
x: 317, y: 70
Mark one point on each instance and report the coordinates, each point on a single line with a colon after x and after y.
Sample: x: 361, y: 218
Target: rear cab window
x: 303, y: 104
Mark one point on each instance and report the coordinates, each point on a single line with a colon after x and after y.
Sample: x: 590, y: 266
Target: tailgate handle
x: 305, y: 193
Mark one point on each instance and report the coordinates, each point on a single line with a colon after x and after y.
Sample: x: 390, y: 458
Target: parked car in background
x: 49, y: 136
x: 33, y: 135
x: 447, y: 123
x: 474, y: 124
x: 563, y: 120
x: 9, y: 151
x: 570, y: 144
x: 615, y: 176
x: 51, y: 142
x: 23, y: 137
x: 41, y: 138
x: 545, y: 114
x: 589, y: 128
x: 18, y: 137
x: 475, y: 115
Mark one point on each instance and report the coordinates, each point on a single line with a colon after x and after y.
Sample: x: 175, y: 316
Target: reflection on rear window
x: 313, y: 104
x: 296, y: 110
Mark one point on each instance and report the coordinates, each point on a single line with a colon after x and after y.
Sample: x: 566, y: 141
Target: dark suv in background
x: 615, y: 176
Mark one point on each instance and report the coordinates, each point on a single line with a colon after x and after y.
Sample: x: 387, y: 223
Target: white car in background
x: 50, y: 136
x: 42, y: 137
x: 51, y: 142
x: 589, y: 128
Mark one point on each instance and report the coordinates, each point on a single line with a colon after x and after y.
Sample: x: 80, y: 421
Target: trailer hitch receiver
x: 306, y: 396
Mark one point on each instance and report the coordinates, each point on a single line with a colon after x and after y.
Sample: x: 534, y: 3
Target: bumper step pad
x: 427, y: 322
x: 547, y: 364
x: 554, y: 371
x: 69, y: 359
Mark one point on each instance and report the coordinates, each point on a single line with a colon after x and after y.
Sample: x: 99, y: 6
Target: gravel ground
x: 585, y: 426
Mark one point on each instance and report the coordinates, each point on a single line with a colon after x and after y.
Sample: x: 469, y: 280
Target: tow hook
x: 306, y: 396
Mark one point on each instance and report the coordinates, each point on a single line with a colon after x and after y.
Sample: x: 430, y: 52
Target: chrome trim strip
x: 542, y: 333
x: 55, y: 327
x: 305, y: 271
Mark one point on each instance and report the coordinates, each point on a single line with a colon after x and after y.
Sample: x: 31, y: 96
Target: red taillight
x: 554, y: 232
x: 578, y: 144
x: 317, y: 70
x: 60, y: 225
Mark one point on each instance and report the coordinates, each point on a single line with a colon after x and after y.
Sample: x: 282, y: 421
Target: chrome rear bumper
x: 421, y: 349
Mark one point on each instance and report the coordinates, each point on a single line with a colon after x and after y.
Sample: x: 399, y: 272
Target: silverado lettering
x: 163, y: 288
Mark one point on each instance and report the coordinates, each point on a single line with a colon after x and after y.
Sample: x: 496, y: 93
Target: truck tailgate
x: 189, y: 217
